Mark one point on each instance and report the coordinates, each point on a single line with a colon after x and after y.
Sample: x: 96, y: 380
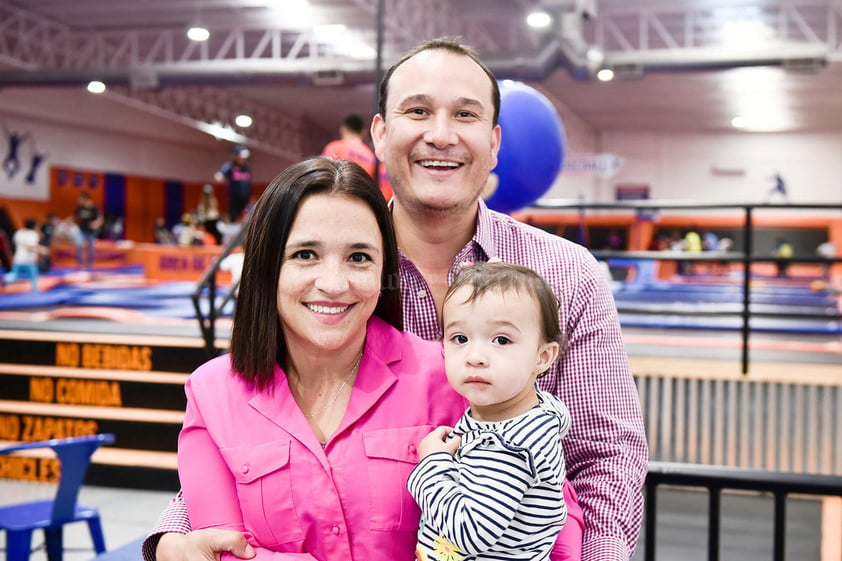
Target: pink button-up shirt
x: 249, y: 460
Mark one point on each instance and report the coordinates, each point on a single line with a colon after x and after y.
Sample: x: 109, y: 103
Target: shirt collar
x: 483, y: 238
x: 484, y: 234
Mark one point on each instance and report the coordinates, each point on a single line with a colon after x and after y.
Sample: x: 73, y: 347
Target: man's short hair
x: 454, y: 45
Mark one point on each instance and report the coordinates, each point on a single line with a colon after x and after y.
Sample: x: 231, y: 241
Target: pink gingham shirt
x: 606, y: 451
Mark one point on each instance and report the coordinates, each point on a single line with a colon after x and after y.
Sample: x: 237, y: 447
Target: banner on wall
x: 636, y: 192
x: 24, y: 170
x: 604, y: 166
x: 631, y: 192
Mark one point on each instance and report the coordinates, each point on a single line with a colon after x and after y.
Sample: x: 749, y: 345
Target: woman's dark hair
x: 257, y: 342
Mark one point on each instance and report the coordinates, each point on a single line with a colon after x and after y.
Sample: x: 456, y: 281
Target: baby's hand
x: 438, y: 441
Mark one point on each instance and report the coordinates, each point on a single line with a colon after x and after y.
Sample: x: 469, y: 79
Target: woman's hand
x: 202, y: 545
x: 439, y: 440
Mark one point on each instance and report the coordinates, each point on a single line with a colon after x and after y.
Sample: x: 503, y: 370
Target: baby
x: 491, y: 487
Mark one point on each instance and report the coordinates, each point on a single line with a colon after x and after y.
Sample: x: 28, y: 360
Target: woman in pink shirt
x: 304, y: 435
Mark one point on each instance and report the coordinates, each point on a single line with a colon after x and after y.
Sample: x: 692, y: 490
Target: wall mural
x: 23, y: 162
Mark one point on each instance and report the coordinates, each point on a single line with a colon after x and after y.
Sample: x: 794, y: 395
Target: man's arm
x: 172, y: 540
x: 200, y: 545
x: 606, y: 450
x: 222, y: 173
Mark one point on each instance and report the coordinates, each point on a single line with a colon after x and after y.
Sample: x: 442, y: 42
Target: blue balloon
x: 531, y: 150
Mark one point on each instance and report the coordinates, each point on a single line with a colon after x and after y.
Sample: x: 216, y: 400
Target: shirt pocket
x: 264, y: 487
x: 392, y: 453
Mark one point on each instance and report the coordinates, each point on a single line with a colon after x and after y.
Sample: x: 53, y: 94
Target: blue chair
x: 20, y: 520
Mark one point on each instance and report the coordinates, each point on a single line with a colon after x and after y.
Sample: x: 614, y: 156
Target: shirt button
x: 335, y: 530
x: 244, y: 469
x: 422, y: 293
x: 412, y: 449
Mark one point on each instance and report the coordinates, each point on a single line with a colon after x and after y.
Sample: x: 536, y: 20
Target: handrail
x: 716, y: 479
x: 746, y: 256
x: 556, y: 204
x: 207, y: 322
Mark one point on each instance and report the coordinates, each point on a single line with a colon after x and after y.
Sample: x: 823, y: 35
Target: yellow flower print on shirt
x: 445, y: 550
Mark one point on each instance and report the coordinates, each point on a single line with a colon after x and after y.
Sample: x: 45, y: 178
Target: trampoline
x: 688, y: 302
x: 89, y: 294
x: 778, y: 305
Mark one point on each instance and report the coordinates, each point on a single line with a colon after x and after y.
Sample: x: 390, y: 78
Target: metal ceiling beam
x: 670, y: 38
x: 45, y: 52
x: 212, y: 110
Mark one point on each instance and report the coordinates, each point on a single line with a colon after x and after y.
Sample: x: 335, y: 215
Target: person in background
x: 694, y: 241
x: 207, y: 212
x: 351, y: 146
x: 689, y: 242
x: 827, y: 251
x: 438, y: 134
x: 163, y: 235
x: 89, y: 219
x: 237, y: 173
x: 48, y: 231
x: 113, y: 227
x: 778, y: 190
x: 614, y: 241
x: 185, y: 232
x: 230, y: 229
x: 27, y: 242
x: 782, y: 252
x: 5, y: 252
x: 501, y: 333
x: 710, y: 241
x: 67, y: 230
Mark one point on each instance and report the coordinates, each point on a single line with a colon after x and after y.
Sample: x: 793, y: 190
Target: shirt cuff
x: 150, y: 546
x: 605, y: 549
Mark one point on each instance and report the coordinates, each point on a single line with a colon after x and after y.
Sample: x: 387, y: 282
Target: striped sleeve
x: 476, y: 508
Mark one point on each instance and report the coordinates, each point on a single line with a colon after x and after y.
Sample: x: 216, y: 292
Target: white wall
x: 681, y: 166
x: 580, y: 138
x: 82, y: 131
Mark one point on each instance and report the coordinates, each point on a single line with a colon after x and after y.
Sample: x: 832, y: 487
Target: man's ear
x: 496, y: 138
x: 378, y: 132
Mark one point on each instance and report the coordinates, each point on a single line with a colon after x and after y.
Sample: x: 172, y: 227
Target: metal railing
x: 718, y: 479
x: 207, y: 292
x: 746, y: 256
x: 207, y: 287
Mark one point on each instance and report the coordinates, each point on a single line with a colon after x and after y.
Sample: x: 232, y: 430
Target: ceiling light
x: 605, y: 75
x: 746, y: 35
x: 595, y: 55
x: 538, y: 19
x: 343, y: 41
x: 243, y: 121
x: 760, y: 97
x: 95, y: 86
x: 198, y: 33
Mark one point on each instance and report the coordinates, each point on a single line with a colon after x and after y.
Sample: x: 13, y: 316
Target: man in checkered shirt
x: 439, y: 145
